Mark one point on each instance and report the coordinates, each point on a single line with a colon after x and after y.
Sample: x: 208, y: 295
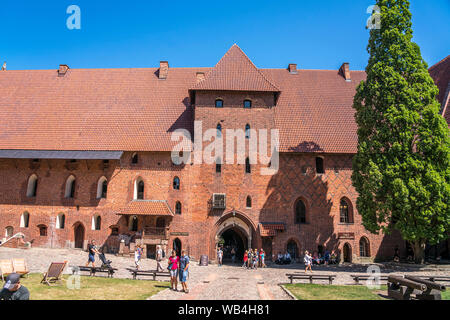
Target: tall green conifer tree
x: 402, y: 168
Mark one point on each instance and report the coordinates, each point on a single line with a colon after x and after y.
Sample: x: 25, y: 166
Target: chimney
x: 63, y: 68
x: 4, y: 66
x: 200, y: 76
x: 344, y: 70
x: 163, y: 69
x: 292, y: 68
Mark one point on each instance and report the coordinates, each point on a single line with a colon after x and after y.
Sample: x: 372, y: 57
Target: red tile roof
x: 133, y: 110
x: 269, y: 229
x: 235, y: 71
x: 440, y: 72
x: 147, y: 207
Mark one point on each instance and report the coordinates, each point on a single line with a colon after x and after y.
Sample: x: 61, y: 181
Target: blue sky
x: 122, y: 34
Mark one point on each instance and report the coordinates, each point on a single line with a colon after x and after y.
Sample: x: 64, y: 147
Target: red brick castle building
x: 86, y: 154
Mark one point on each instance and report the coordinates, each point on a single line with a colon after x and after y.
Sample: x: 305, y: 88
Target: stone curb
x: 287, y: 292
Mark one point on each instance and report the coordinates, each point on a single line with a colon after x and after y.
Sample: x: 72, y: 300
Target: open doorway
x: 176, y: 245
x: 234, y: 242
x: 79, y: 235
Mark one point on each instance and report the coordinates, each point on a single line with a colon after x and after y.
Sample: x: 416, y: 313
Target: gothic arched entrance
x: 79, y: 235
x: 233, y: 230
x: 347, y: 252
x: 234, y: 240
x: 176, y: 245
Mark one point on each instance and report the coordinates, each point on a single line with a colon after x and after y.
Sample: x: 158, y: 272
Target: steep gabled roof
x: 440, y: 72
x: 235, y: 71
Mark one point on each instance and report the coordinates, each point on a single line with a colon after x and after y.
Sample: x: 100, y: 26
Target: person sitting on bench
x: 287, y: 258
x: 280, y: 258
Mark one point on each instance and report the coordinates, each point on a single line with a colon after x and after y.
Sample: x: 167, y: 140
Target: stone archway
x: 235, y: 228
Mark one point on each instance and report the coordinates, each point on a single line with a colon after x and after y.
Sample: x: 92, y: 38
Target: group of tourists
x: 254, y: 259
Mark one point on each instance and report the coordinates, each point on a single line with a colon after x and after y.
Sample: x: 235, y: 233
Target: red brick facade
x: 198, y: 227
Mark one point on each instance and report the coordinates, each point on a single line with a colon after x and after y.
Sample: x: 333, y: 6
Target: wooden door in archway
x: 79, y: 235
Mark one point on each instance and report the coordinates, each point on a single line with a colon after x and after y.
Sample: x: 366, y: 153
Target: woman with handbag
x: 173, y: 269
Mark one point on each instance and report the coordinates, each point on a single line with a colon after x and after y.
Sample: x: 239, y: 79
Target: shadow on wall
x: 296, y: 181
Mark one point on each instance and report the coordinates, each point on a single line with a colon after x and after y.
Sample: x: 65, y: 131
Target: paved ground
x: 229, y: 282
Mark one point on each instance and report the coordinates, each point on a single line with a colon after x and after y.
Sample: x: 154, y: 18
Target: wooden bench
x: 92, y: 271
x: 153, y: 273
x: 365, y: 277
x: 311, y: 277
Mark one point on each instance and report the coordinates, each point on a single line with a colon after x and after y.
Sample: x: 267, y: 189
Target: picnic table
x: 152, y: 273
x: 311, y: 277
x: 92, y: 271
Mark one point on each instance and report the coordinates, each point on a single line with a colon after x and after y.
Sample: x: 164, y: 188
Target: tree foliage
x: 402, y: 167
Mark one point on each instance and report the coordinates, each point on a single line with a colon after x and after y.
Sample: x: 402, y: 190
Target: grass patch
x: 307, y: 291
x: 446, y: 294
x: 93, y: 288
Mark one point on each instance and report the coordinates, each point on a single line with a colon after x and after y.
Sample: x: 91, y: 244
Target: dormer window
x: 247, y: 104
x: 219, y: 103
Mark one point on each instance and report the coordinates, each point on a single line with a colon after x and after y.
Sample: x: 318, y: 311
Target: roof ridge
x: 439, y: 62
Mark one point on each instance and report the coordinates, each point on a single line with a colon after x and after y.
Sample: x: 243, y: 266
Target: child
x: 263, y: 256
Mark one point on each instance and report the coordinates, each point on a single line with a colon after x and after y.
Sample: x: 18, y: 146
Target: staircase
x: 16, y: 241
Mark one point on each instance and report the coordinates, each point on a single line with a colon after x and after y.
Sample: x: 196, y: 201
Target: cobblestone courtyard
x: 229, y: 282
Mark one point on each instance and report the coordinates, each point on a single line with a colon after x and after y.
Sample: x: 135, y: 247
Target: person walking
x: 159, y: 257
x: 308, y: 261
x: 92, y: 250
x: 250, y: 259
x: 173, y: 268
x: 255, y: 259
x: 184, y: 270
x: 263, y: 257
x: 245, y: 259
x: 219, y: 256
x: 233, y: 255
x: 137, y: 256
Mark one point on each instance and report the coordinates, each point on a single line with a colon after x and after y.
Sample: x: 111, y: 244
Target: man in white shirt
x: 159, y: 258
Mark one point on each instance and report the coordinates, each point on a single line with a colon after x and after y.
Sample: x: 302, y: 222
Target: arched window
x: 176, y: 183
x: 102, y: 188
x: 139, y: 189
x: 178, y: 207
x: 248, y: 202
x: 247, y: 104
x: 319, y: 165
x: 345, y: 211
x: 248, y: 168
x: 364, y: 247
x: 70, y: 187
x: 219, y: 130
x: 133, y: 223
x: 32, y: 186
x: 42, y: 230
x: 300, y: 212
x: 24, y: 220
x: 9, y: 232
x: 134, y: 158
x: 219, y: 103
x: 247, y: 131
x: 96, y: 222
x: 60, y: 221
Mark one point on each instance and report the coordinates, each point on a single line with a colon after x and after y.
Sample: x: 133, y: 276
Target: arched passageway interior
x: 235, y: 239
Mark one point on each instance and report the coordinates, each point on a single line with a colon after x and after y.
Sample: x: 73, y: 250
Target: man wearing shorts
x: 159, y: 257
x: 184, y: 270
x: 92, y: 250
